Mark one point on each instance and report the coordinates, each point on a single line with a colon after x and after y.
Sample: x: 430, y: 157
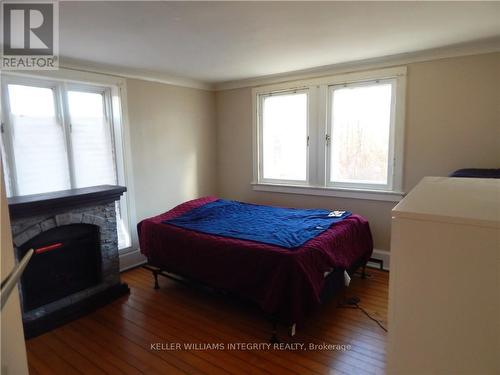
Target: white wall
x: 173, y: 145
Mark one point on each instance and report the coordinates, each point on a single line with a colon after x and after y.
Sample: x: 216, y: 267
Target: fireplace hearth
x: 75, y: 266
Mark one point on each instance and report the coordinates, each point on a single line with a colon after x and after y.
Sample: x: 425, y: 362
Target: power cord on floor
x: 353, y: 303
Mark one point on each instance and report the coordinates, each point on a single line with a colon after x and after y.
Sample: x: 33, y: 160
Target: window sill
x: 376, y: 195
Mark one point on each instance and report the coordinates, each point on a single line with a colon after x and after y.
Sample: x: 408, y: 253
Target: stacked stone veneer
x: 102, y: 215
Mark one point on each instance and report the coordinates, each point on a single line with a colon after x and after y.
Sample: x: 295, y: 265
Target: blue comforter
x: 286, y: 227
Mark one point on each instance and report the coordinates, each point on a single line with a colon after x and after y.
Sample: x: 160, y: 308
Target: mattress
x: 284, y: 283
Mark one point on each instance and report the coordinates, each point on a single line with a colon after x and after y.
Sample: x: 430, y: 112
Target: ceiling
x: 214, y: 42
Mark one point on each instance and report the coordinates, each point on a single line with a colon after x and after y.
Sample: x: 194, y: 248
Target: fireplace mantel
x: 54, y: 202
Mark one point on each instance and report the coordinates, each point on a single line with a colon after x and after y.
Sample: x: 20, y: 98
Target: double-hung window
x: 58, y: 135
x: 340, y: 135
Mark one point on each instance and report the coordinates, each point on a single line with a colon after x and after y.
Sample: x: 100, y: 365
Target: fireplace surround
x: 75, y: 267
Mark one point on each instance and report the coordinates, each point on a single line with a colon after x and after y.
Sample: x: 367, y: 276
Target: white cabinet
x: 444, y: 288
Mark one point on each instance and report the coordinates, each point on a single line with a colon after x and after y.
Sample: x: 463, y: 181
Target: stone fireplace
x: 75, y: 266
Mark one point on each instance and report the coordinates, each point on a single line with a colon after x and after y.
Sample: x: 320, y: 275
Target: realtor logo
x: 30, y: 35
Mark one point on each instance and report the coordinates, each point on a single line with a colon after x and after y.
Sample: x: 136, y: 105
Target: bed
x: 477, y: 173
x: 285, y: 284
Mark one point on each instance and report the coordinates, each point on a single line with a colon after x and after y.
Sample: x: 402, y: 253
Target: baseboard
x: 382, y: 255
x: 131, y: 259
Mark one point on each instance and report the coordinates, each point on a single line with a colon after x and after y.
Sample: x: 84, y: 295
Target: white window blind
x: 90, y: 139
x: 284, y: 136
x: 38, y: 141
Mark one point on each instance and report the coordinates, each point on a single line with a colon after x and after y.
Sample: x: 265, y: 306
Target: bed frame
x: 334, y: 284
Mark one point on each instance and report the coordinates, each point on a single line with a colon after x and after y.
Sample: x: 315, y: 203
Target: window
x: 91, y: 139
x: 284, y: 136
x: 59, y: 135
x: 360, y: 134
x: 37, y: 141
x: 332, y: 136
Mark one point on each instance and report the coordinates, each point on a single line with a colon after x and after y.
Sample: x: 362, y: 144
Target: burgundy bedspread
x: 283, y: 282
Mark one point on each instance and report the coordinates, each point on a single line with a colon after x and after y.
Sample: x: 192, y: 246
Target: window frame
x: 329, y: 130
x: 6, y: 130
x: 319, y: 128
x: 107, y: 109
x: 262, y: 97
x: 62, y: 81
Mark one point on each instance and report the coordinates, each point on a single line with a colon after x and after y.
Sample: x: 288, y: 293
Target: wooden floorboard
x: 117, y: 338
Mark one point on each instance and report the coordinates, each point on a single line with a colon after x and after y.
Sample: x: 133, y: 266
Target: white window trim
x: 376, y: 195
x: 305, y: 182
x: 319, y: 91
x: 118, y: 91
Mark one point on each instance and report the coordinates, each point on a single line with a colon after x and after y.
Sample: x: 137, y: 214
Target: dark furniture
x: 476, y: 173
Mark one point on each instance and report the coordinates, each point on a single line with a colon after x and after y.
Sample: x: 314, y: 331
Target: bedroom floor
x: 117, y: 338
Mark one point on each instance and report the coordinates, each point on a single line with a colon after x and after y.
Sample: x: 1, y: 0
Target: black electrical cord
x: 353, y: 303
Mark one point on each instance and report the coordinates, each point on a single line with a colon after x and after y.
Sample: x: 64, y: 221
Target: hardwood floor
x: 118, y: 338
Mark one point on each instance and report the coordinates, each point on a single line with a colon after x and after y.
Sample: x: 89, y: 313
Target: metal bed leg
x: 363, y: 271
x: 155, y: 274
x: 274, y: 337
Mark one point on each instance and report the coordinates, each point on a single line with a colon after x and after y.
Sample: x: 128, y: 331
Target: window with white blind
x: 91, y: 139
x: 58, y: 135
x: 339, y: 136
x: 37, y: 140
x: 284, y: 136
